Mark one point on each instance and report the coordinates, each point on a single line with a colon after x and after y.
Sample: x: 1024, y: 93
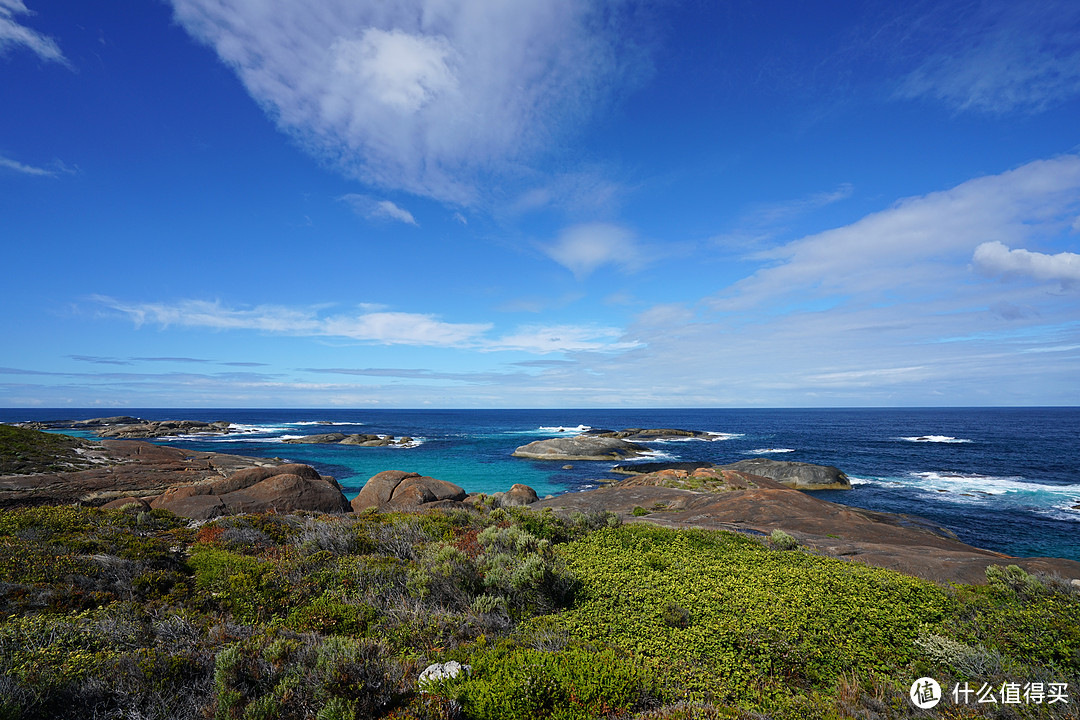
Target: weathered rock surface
x: 650, y: 467
x: 363, y: 440
x: 905, y: 543
x: 647, y: 434
x: 396, y: 489
x: 580, y: 447
x: 209, y: 483
x: 517, y: 496
x: 125, y: 427
x: 163, y: 428
x: 283, y: 488
x: 797, y: 475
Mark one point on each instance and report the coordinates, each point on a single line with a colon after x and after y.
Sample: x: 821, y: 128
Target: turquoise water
x: 1007, y: 479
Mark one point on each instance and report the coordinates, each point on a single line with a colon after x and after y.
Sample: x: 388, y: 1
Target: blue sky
x: 543, y: 203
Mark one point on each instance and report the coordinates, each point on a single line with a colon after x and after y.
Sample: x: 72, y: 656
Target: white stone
x: 441, y: 671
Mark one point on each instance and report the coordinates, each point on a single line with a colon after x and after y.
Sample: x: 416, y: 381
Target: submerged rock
x: 362, y: 440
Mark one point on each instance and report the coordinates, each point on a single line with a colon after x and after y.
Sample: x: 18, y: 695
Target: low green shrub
x: 509, y: 682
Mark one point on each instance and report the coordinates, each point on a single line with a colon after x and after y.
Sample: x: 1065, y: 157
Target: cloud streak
x: 12, y: 34
x: 375, y: 327
x: 1002, y: 57
x: 431, y: 97
x: 375, y: 209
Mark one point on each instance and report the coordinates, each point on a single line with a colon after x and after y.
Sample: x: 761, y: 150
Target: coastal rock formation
x: 580, y: 447
x: 127, y: 471
x: 796, y: 475
x: 517, y: 496
x: 647, y: 434
x: 725, y: 499
x: 363, y: 440
x: 284, y: 488
x: 163, y: 428
x: 395, y: 489
x: 650, y: 467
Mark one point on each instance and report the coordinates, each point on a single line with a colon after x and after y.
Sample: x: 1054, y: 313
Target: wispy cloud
x: 389, y: 328
x: 427, y: 96
x: 582, y: 249
x: 376, y: 209
x: 56, y: 170
x: 12, y: 34
x: 375, y: 327
x: 1001, y: 56
x: 996, y: 258
x: 564, y: 338
x: 914, y: 247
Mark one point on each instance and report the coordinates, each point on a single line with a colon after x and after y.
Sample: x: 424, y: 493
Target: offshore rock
x: 163, y: 428
x: 396, y: 489
x: 796, y: 475
x: 362, y: 440
x: 647, y: 434
x: 580, y: 447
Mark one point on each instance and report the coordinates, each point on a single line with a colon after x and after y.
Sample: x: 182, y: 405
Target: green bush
x: 764, y: 623
x: 509, y: 682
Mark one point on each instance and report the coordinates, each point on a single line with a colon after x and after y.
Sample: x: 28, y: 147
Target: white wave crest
x: 768, y: 451
x: 563, y: 429
x: 935, y: 439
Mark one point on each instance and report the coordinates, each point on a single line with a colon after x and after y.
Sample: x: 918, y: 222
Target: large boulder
x: 580, y: 447
x: 796, y: 475
x: 282, y: 488
x: 396, y: 489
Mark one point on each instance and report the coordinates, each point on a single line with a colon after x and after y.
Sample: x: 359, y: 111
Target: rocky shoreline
x: 753, y: 496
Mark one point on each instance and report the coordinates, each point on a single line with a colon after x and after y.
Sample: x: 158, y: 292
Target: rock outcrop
x: 163, y: 428
x: 796, y: 475
x: 650, y: 467
x: 363, y: 440
x: 397, y: 490
x: 283, y: 488
x: 194, y: 484
x: 580, y: 447
x: 725, y: 499
x: 647, y: 434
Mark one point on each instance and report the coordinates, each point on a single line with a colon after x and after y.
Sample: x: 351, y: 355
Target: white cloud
x: 375, y: 209
x: 388, y: 328
x: 57, y: 169
x: 916, y: 246
x: 425, y: 96
x: 582, y: 249
x: 563, y: 338
x: 997, y: 259
x: 1002, y: 56
x: 12, y: 34
x: 380, y: 327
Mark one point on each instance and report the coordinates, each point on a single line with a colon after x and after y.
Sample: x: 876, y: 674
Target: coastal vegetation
x: 134, y: 614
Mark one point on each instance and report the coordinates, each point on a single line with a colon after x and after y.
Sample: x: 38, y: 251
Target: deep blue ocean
x: 1006, y: 479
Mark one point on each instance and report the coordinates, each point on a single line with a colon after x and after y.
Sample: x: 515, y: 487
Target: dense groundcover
x: 130, y: 614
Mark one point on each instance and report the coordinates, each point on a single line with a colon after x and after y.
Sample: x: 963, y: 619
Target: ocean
x: 1005, y: 479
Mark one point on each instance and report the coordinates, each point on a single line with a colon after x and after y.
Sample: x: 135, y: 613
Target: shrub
x: 509, y: 682
x: 782, y: 541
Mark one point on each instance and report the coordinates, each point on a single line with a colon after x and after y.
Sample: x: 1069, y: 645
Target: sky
x: 539, y: 203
